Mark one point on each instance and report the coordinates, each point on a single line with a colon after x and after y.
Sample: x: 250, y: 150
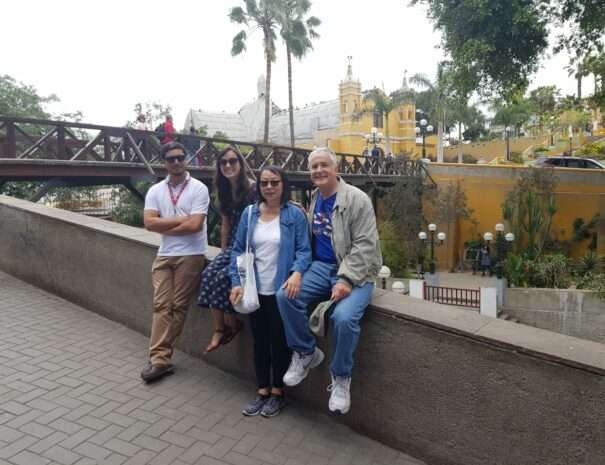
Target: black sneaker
x: 255, y: 407
x: 273, y: 406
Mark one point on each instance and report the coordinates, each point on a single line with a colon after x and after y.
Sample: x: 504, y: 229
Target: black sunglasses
x: 229, y: 161
x: 273, y: 183
x: 179, y: 158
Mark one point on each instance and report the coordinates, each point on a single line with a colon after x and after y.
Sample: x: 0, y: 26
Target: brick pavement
x: 70, y: 394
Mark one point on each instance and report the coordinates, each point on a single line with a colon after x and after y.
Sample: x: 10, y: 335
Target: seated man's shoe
x: 300, y: 366
x: 340, y: 397
x: 255, y: 407
x: 154, y: 372
x: 273, y: 406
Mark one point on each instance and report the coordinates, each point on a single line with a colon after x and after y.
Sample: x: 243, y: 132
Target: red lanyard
x: 174, y: 199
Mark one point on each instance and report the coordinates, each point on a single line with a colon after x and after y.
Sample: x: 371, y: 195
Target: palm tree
x: 436, y: 93
x: 296, y: 32
x: 384, y: 105
x: 261, y: 15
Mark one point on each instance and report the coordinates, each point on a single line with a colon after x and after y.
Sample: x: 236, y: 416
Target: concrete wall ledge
x: 573, y: 312
x: 444, y: 384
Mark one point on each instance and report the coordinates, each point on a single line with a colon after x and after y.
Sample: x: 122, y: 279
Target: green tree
x: 514, y: 113
x: 436, y: 102
x: 584, y: 23
x: 448, y: 205
x: 543, y: 101
x: 402, y: 219
x: 529, y: 209
x: 155, y: 113
x: 384, y: 105
x: 23, y: 100
x: 297, y: 31
x: 263, y: 15
x: 496, y: 44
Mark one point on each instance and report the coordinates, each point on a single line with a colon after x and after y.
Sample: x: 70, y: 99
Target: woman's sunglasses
x: 272, y: 183
x: 229, y: 161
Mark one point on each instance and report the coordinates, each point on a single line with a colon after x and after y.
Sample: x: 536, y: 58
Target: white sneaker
x: 340, y: 397
x: 300, y: 366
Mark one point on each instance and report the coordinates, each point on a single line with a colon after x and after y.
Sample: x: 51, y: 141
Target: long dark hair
x: 285, y: 195
x: 226, y: 200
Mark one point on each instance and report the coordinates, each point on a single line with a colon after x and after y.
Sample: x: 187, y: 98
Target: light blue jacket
x: 294, y: 246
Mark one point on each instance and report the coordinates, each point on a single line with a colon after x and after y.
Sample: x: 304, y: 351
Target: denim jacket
x: 294, y: 246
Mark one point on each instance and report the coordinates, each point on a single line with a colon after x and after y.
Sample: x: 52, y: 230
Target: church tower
x: 349, y: 96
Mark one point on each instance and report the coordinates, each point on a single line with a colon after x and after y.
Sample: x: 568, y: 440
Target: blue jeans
x: 317, y: 285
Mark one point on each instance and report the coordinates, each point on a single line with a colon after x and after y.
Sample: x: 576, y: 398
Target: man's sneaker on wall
x: 340, y: 397
x: 300, y: 366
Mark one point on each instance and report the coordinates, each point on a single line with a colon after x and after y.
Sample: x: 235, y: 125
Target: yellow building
x: 579, y: 193
x: 357, y: 119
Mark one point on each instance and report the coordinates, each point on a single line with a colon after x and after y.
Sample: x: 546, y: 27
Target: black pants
x: 271, y: 352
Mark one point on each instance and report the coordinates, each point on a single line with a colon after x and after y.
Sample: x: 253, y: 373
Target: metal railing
x: 27, y: 139
x: 453, y: 296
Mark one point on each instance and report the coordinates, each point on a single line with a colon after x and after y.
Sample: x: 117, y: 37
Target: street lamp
x: 422, y: 129
x: 508, y: 130
x: 384, y: 274
x: 423, y: 237
x: 503, y: 242
x: 398, y: 287
x: 374, y: 138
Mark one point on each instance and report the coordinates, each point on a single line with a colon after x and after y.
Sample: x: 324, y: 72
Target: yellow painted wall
x: 580, y: 193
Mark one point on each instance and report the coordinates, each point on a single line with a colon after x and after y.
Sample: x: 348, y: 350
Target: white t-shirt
x: 266, y: 250
x: 193, y: 200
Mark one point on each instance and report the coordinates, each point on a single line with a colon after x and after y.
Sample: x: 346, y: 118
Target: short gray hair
x: 323, y: 151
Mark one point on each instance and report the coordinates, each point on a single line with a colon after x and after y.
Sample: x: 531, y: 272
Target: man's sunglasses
x: 272, y: 183
x: 179, y: 158
x: 229, y: 161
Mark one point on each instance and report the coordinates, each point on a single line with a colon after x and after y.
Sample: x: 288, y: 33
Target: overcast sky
x: 101, y: 57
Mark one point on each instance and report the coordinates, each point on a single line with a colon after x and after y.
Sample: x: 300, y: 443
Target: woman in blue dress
x: 235, y: 192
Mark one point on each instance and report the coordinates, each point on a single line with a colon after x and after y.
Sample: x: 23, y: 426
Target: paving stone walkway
x: 70, y: 393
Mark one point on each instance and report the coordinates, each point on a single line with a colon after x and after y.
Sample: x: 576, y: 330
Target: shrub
x: 551, y: 271
x: 395, y: 252
x: 593, y: 282
x: 592, y: 150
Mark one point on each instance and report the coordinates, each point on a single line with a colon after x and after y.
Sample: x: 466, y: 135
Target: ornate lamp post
x: 374, y: 138
x: 398, y: 287
x: 432, y: 242
x: 384, y: 274
x: 422, y: 129
x: 503, y: 242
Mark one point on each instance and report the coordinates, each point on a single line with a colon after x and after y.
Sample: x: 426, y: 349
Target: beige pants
x: 175, y: 280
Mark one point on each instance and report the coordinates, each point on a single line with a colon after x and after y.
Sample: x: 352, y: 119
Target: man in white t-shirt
x: 176, y: 208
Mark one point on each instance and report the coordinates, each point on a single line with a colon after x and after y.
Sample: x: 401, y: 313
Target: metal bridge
x: 85, y: 154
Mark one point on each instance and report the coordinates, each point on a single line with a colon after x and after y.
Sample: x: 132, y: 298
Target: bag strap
x: 248, y: 231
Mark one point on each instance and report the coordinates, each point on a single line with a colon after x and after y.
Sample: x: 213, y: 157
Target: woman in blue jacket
x: 279, y: 239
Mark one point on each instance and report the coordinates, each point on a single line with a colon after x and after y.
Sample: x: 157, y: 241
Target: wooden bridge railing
x: 23, y: 138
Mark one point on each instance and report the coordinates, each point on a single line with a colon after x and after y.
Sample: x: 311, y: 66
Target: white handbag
x: 245, y: 267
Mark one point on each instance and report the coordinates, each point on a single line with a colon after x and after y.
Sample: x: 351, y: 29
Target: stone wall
x: 572, y: 312
x: 443, y: 384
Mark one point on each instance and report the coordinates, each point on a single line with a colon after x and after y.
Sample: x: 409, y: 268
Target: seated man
x: 346, y: 258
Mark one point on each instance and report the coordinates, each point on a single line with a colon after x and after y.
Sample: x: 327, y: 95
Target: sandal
x: 221, y: 340
x: 231, y: 332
